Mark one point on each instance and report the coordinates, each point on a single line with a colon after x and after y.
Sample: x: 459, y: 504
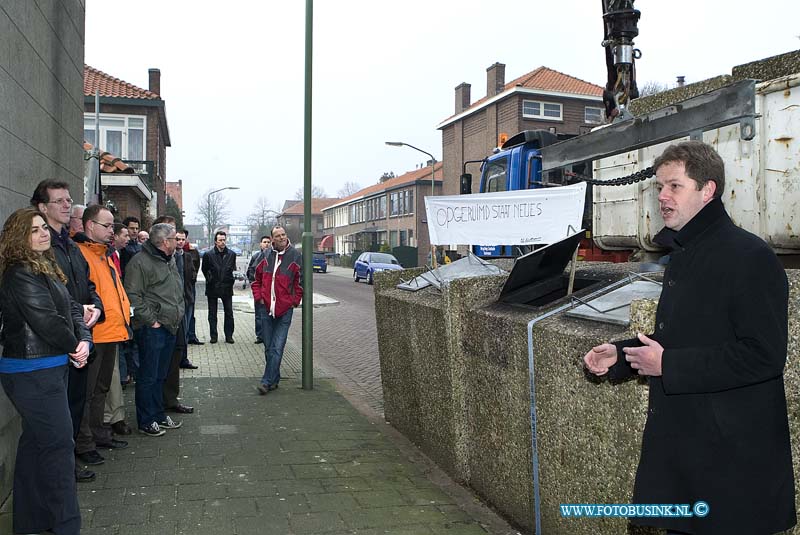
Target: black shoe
x: 121, y: 428
x: 195, y: 342
x: 91, y: 458
x: 262, y: 389
x: 188, y: 365
x: 229, y: 340
x: 113, y: 445
x: 180, y: 408
x: 213, y: 340
x: 273, y: 387
x: 84, y: 476
x: 259, y: 341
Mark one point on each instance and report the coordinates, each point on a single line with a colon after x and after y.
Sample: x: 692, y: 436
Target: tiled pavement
x: 291, y: 462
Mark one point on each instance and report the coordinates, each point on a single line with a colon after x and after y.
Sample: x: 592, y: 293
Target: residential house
x: 119, y: 181
x: 133, y: 125
x: 293, y: 219
x: 542, y: 99
x: 389, y: 213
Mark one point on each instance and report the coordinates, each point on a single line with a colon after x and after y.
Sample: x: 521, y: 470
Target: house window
x: 121, y: 135
x: 592, y: 115
x: 393, y: 239
x: 534, y: 109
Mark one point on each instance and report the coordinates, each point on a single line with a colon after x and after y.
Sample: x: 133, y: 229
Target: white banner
x: 524, y: 217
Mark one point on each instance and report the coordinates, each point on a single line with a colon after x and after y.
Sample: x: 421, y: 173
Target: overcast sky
x: 232, y: 73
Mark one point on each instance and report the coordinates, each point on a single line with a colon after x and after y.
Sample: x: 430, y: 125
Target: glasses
x: 104, y: 225
x: 66, y: 202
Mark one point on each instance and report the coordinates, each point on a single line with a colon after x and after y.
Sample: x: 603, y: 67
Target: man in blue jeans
x: 278, y: 286
x: 155, y: 291
x: 260, y: 309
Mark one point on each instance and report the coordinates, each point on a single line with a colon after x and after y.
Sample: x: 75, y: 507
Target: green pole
x: 308, y: 237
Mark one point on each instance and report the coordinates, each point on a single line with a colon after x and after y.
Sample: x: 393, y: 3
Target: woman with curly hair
x: 42, y: 333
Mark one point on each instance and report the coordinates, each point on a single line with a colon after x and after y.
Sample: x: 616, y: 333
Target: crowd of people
x: 89, y: 305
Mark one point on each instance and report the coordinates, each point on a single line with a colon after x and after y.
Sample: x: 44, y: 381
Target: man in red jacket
x: 278, y: 286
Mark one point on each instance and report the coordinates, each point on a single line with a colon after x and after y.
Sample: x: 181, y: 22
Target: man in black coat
x: 52, y: 198
x: 218, y: 266
x: 717, y: 428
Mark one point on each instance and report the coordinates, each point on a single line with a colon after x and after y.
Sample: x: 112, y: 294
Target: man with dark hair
x: 218, y: 266
x: 133, y: 246
x: 156, y: 294
x: 717, y: 429
x: 98, y: 224
x: 265, y: 246
x: 52, y: 198
x: 194, y: 255
x: 277, y: 285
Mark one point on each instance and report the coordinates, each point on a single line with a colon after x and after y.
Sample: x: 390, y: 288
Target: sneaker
x: 152, y: 430
x: 169, y: 423
x: 91, y: 458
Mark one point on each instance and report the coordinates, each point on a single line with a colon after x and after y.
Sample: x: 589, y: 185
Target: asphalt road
x: 345, y: 338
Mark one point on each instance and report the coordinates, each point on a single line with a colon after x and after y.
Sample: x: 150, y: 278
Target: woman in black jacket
x: 42, y: 333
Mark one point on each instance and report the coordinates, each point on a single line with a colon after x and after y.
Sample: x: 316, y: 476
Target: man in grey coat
x: 717, y: 431
x: 155, y: 291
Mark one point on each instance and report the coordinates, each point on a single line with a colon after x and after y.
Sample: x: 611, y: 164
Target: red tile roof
x: 317, y: 205
x: 110, y: 163
x: 546, y: 79
x: 407, y: 178
x: 109, y: 86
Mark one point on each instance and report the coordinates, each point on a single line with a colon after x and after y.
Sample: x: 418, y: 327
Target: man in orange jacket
x: 98, y: 224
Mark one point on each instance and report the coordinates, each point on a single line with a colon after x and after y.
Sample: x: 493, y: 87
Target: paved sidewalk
x: 290, y: 462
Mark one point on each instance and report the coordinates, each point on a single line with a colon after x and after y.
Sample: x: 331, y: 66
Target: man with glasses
x: 98, y: 224
x: 154, y: 287
x: 51, y: 197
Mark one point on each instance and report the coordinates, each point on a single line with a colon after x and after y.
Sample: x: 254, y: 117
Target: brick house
x: 542, y: 99
x: 133, y: 125
x: 293, y: 219
x: 391, y: 212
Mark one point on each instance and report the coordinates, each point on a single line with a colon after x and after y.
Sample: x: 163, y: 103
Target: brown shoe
x: 121, y: 428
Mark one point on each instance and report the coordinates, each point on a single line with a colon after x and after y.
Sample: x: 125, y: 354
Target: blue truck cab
x: 516, y: 165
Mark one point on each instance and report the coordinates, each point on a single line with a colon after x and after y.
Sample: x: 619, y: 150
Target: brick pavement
x: 292, y: 462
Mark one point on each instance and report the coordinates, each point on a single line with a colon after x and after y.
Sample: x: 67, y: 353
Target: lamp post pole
x: 208, y: 207
x: 433, y: 174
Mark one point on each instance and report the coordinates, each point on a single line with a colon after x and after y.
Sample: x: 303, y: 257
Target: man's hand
x: 647, y: 358
x: 81, y: 354
x: 90, y: 315
x: 601, y: 358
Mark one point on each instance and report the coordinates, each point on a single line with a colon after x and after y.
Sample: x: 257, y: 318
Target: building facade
x: 133, y: 126
x: 293, y: 219
x: 391, y: 213
x: 542, y: 99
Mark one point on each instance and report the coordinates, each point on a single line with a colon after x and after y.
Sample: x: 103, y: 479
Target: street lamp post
x: 433, y: 174
x: 208, y: 207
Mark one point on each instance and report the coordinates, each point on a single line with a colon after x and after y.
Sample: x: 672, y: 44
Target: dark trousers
x: 227, y: 304
x: 172, y: 383
x: 92, y: 430
x: 76, y: 395
x: 155, y: 356
x: 45, y: 493
x: 261, y: 315
x: 191, y: 334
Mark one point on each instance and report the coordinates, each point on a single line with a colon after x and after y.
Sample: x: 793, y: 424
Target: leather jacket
x: 74, y: 266
x: 39, y: 317
x: 218, y: 268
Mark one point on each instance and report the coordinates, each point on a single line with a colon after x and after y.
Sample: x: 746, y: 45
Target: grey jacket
x: 155, y: 289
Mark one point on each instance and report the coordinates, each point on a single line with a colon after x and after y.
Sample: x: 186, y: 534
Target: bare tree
x: 316, y: 193
x: 348, y: 189
x: 651, y: 88
x: 262, y: 218
x: 212, y: 211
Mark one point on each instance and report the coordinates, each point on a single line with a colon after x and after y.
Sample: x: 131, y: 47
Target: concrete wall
x: 455, y: 374
x: 41, y: 126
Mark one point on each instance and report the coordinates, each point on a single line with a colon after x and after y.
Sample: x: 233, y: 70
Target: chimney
x: 462, y: 96
x: 681, y: 81
x: 495, y: 79
x: 155, y: 81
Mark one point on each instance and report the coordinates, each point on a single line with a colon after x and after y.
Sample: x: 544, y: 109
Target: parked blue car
x: 370, y: 263
x: 318, y: 263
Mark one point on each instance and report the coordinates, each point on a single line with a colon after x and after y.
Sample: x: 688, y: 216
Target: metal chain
x: 638, y: 176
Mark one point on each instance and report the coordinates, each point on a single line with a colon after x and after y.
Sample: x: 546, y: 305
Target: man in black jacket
x: 265, y: 247
x: 52, y: 198
x: 218, y: 266
x: 717, y: 431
